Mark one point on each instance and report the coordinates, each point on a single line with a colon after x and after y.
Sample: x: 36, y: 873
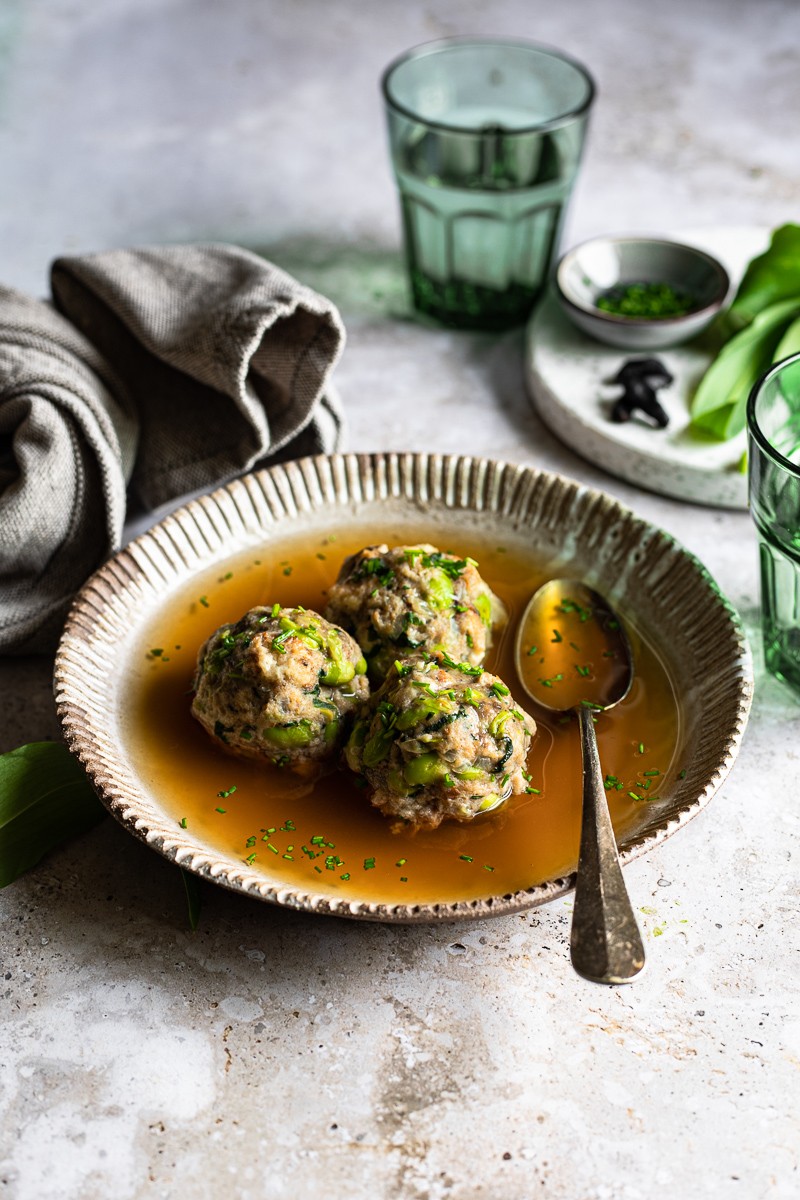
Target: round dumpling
x: 440, y: 740
x: 280, y: 684
x: 400, y: 601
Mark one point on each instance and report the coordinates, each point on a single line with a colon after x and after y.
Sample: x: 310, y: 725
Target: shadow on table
x: 108, y: 901
x: 361, y: 279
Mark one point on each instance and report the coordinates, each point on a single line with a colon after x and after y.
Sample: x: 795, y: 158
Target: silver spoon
x: 587, y: 668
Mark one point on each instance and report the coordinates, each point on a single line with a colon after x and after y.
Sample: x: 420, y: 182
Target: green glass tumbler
x: 486, y: 138
x: 773, y: 426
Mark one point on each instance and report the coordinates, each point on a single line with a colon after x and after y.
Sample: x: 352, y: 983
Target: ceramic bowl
x: 574, y: 532
x: 595, y: 267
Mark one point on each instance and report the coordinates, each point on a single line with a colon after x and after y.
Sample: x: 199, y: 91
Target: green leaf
x: 194, y: 898
x: 769, y: 278
x: 45, y: 799
x: 790, y: 342
x: 720, y: 402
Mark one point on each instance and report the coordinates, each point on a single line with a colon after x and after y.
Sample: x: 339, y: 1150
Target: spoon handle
x: 605, y: 944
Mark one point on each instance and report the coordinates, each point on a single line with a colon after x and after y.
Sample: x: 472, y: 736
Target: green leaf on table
x: 719, y: 405
x: 45, y: 799
x: 194, y: 899
x: 770, y: 277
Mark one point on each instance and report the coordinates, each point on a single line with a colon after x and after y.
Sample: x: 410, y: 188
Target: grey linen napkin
x: 169, y: 369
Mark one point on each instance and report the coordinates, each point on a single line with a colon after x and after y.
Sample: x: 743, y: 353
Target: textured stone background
x: 271, y: 1054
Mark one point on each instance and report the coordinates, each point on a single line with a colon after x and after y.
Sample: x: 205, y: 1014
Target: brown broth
x: 531, y: 839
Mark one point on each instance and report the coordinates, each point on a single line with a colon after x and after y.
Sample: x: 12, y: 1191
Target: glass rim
x: 754, y: 428
x: 424, y: 49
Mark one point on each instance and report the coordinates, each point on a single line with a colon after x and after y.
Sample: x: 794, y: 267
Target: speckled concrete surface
x: 272, y: 1055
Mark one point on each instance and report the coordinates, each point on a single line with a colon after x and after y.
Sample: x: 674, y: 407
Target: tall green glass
x: 486, y: 139
x: 773, y: 425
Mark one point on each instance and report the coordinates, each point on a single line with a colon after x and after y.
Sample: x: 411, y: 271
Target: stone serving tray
x: 568, y: 376
x: 582, y: 532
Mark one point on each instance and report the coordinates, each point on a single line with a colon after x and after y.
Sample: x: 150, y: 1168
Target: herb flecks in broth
x: 534, y: 837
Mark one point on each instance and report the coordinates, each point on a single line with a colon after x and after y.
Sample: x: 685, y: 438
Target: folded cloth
x: 169, y: 369
x: 67, y: 442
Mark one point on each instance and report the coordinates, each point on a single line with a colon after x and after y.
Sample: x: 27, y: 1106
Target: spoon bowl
x: 573, y: 655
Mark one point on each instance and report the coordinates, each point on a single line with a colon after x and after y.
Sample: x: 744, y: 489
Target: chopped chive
x: 183, y: 822
x: 533, y: 650
x: 290, y: 857
x: 228, y: 792
x: 465, y: 857
x: 641, y: 747
x: 401, y: 862
x: 369, y: 863
x: 556, y: 636
x: 251, y: 858
x: 346, y: 876
x: 652, y: 772
x: 272, y: 848
x: 204, y: 601
x: 486, y: 867
x: 220, y: 810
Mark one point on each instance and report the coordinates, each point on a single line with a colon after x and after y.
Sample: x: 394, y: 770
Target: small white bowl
x: 594, y: 268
